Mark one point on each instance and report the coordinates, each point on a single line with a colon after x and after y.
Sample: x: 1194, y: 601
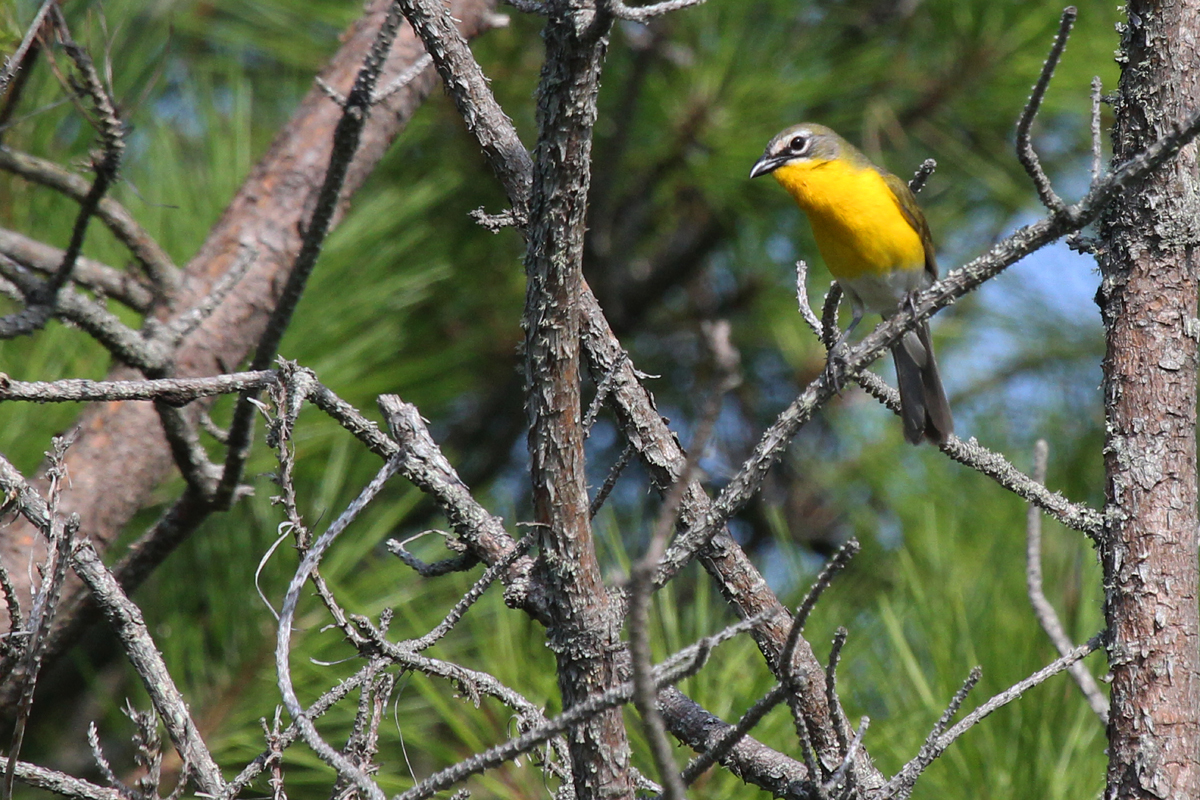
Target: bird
x: 877, y: 245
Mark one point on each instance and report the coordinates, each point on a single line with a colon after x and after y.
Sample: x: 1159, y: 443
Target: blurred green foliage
x: 411, y: 297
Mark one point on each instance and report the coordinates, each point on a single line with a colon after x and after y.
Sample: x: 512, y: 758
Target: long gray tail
x: 923, y: 405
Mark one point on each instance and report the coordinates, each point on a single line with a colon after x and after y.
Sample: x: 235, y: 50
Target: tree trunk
x: 1148, y: 301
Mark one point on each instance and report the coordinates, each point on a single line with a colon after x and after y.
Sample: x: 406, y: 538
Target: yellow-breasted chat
x: 876, y: 243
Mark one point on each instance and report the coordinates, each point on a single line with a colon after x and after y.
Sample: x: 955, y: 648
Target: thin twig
x: 459, y: 563
x: 179, y: 328
x: 902, y: 783
x: 838, y: 780
x: 969, y: 452
x: 1025, y: 151
x: 127, y: 622
x: 284, y: 633
x: 840, y: 724
x: 610, y: 481
x: 488, y: 577
x: 735, y: 734
x: 1047, y: 617
x: 917, y: 181
x: 806, y: 311
x: 346, y: 139
x: 13, y: 62
x: 500, y: 754
x: 173, y: 391
x: 148, y: 254
x: 100, y: 278
x: 602, y: 390
x: 1097, y: 143
x: 647, y: 13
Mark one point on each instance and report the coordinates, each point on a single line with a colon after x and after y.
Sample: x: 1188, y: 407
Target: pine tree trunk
x: 1148, y: 301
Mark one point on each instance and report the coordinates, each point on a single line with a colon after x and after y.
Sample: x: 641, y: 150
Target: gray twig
x: 468, y: 88
x: 178, y: 329
x: 488, y: 577
x: 838, y: 780
x: 902, y: 783
x: 647, y: 13
x: 13, y: 62
x: 735, y: 734
x: 1077, y: 516
x: 126, y: 620
x: 610, y: 481
x: 100, y: 278
x: 1025, y: 151
x: 1097, y: 143
x: 284, y: 634
x: 806, y: 311
x: 346, y: 139
x: 1042, y: 609
x: 840, y: 725
x: 459, y: 563
x: 172, y: 391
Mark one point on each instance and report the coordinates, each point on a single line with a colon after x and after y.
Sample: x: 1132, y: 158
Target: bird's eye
x: 798, y: 144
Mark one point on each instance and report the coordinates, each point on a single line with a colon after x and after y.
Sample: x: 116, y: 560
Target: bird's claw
x: 836, y: 365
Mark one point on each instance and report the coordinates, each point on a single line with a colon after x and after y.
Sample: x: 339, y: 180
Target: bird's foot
x: 837, y: 365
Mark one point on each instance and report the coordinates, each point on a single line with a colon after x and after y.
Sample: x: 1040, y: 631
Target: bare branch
x: 126, y: 345
x: 45, y: 605
x: 112, y: 139
x: 13, y: 63
x: 528, y: 6
x: 902, y: 783
x: 917, y: 181
x: 467, y: 86
x: 100, y: 278
x: 61, y: 784
x: 806, y: 311
x: 173, y: 391
x: 157, y: 265
x: 292, y: 733
x: 1025, y: 152
x: 488, y: 577
x: 495, y: 756
x: 610, y: 481
x: 459, y: 563
x: 602, y: 390
x: 840, y: 725
x: 1042, y: 608
x: 1077, y: 516
x: 126, y: 620
x: 283, y: 637
x: 1097, y: 143
x: 723, y: 746
x: 179, y: 328
x: 646, y: 13
x: 422, y: 463
x: 346, y: 140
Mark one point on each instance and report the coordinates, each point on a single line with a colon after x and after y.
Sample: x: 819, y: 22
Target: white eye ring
x: 798, y: 144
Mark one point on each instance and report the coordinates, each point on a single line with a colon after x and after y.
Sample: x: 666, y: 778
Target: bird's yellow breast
x: 856, y: 220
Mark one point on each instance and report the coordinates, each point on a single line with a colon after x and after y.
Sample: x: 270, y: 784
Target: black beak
x: 768, y: 163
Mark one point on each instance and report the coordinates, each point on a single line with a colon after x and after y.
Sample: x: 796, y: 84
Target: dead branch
x: 1042, y: 609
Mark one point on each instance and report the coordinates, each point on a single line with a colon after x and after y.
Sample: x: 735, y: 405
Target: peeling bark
x: 1148, y: 301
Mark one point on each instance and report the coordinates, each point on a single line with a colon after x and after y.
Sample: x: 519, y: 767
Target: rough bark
x: 1148, y: 300
x: 584, y: 633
